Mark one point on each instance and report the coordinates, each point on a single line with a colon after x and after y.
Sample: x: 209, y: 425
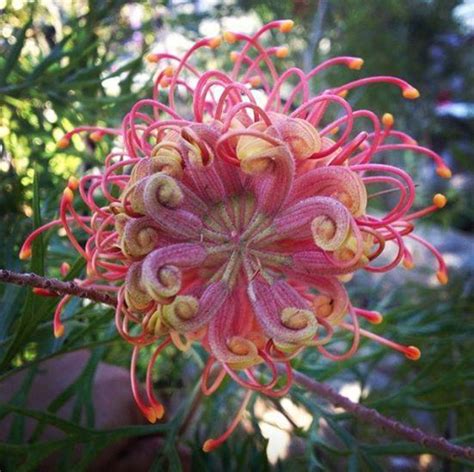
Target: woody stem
x: 56, y: 286
x: 368, y: 415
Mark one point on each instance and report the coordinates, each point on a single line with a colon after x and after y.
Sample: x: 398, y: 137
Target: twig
x: 56, y: 286
x: 368, y: 415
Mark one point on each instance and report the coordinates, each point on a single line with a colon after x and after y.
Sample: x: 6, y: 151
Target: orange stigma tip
x: 343, y: 93
x: 376, y: 318
x: 388, y: 120
x: 440, y: 200
x: 255, y: 81
x: 169, y: 71
x: 209, y: 445
x: 73, y: 183
x: 165, y: 82
x: 356, y: 64
x: 215, y: 42
x: 59, y: 331
x: 25, y: 253
x: 442, y: 277
x: 408, y: 264
x: 229, y: 37
x: 152, y: 58
x: 286, y: 26
x: 234, y: 55
x: 334, y: 130
x: 63, y: 143
x: 96, y: 136
x: 150, y: 415
x: 159, y: 411
x: 444, y: 172
x: 282, y: 52
x: 68, y: 195
x: 412, y: 353
x: 411, y: 93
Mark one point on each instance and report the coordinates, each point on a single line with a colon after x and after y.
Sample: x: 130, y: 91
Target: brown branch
x: 56, y: 286
x: 368, y: 415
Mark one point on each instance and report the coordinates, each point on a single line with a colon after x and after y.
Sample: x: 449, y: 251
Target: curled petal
x: 155, y: 325
x: 199, y: 153
x: 124, y: 317
x: 339, y: 183
x: 296, y: 319
x: 237, y: 352
x: 328, y: 234
x: 166, y: 156
x: 352, y: 249
x: 257, y: 150
x: 207, y: 184
x: 229, y: 344
x: 306, y: 262
x: 121, y: 220
x: 136, y: 295
x: 273, y: 188
x: 161, y: 198
x: 188, y: 313
x: 140, y: 236
x: 161, y: 274
x: 313, y: 163
x: 161, y: 189
x: 169, y: 163
x: 142, y: 169
x: 182, y: 309
x: 327, y: 220
x: 282, y: 313
x: 202, y: 169
x: 300, y: 135
x: 165, y: 284
x: 332, y: 302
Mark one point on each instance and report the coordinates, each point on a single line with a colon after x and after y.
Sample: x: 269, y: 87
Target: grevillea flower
x: 235, y: 221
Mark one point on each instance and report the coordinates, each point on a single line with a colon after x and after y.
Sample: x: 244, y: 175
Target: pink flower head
x: 235, y: 222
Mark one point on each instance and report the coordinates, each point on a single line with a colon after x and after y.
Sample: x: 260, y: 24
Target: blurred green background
x: 70, y: 62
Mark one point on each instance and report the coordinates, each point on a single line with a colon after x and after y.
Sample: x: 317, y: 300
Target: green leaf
x: 53, y: 420
x: 29, y: 319
x: 56, y: 54
x: 19, y: 399
x: 14, y: 53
